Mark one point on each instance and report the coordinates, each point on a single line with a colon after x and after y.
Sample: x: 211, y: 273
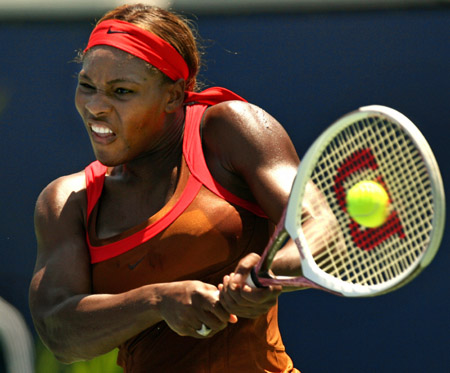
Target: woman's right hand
x: 186, y: 305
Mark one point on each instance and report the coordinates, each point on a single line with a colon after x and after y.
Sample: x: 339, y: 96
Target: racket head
x: 372, y: 143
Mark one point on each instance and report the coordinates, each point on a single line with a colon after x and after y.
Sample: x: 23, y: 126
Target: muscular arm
x: 78, y: 325
x: 251, y: 154
x: 254, y: 149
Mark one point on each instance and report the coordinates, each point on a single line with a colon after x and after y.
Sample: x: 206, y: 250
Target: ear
x: 176, y: 95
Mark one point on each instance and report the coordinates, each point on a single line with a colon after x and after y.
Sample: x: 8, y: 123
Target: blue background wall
x: 304, y: 69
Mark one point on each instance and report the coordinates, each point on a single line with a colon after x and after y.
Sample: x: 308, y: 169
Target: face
x: 124, y: 106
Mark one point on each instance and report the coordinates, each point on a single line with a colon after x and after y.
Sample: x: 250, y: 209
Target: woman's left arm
x: 251, y: 154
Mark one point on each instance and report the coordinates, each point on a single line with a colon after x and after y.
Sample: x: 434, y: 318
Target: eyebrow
x: 111, y: 82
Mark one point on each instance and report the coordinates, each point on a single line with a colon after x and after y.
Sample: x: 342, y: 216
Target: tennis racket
x: 373, y: 143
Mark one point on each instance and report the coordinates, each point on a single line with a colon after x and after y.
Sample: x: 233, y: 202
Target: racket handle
x: 252, y: 280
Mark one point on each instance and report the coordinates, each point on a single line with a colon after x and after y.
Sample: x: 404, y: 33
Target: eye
x: 86, y: 86
x: 123, y: 91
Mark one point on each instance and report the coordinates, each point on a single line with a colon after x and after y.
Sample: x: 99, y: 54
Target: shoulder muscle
x: 250, y: 144
x: 63, y: 195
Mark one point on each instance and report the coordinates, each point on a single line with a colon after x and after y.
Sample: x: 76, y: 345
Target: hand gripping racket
x: 373, y: 143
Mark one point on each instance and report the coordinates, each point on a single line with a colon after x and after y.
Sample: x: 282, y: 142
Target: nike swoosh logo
x: 116, y: 31
x: 133, y: 266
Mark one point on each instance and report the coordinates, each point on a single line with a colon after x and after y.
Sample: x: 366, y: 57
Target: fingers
x: 193, y: 308
x: 210, y: 324
x: 216, y: 319
x: 244, y: 301
x: 244, y: 268
x: 213, y: 318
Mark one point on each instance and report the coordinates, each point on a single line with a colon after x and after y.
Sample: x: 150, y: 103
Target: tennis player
x: 185, y: 191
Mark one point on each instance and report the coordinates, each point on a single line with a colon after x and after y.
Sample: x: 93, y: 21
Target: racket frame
x: 315, y: 277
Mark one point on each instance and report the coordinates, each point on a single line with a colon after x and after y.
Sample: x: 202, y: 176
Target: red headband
x: 157, y: 52
x: 142, y: 44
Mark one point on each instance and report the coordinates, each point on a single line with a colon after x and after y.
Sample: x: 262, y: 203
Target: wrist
x: 151, y: 299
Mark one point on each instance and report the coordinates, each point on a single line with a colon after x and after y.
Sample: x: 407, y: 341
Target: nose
x: 98, y: 104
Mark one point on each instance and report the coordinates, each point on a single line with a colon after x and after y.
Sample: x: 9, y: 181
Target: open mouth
x: 101, y: 133
x: 100, y: 130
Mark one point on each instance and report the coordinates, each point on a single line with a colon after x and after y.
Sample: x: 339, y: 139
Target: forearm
x: 287, y: 261
x: 321, y: 232
x: 85, y: 326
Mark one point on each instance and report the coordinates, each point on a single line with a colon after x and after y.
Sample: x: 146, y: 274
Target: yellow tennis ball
x: 368, y: 204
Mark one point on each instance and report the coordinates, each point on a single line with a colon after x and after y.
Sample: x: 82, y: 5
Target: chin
x: 108, y: 161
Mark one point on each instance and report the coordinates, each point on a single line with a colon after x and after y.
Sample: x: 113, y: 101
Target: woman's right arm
x: 78, y: 325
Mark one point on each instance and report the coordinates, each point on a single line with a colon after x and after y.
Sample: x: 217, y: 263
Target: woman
x: 184, y: 194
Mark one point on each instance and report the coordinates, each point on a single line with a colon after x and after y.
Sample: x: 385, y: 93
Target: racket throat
x: 276, y: 243
x: 254, y: 281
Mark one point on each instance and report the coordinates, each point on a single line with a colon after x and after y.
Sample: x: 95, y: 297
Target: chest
x: 124, y: 205
x: 205, y: 242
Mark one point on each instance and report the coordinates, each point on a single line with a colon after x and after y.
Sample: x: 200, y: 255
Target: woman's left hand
x: 240, y: 299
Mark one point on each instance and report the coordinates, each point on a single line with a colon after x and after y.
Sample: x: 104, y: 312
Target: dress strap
x: 104, y: 252
x: 195, y: 159
x: 95, y: 179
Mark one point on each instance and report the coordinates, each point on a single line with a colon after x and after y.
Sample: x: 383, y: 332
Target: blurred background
x: 306, y: 62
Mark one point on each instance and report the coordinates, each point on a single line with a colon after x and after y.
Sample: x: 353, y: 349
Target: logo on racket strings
x: 365, y: 239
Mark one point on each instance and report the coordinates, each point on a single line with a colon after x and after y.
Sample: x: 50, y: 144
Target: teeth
x: 100, y: 129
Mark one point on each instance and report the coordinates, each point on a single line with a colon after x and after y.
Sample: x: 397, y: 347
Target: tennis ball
x: 368, y: 204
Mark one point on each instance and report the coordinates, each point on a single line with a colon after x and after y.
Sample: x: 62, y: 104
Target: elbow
x: 55, y: 339
x: 63, y: 352
x: 57, y: 347
x: 59, y: 350
x: 64, y: 359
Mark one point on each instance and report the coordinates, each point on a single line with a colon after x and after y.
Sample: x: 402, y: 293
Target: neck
x: 162, y: 162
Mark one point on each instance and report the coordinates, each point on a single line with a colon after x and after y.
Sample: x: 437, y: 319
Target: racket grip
x: 252, y: 280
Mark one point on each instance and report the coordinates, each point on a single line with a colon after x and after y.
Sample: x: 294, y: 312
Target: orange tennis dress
x: 200, y: 234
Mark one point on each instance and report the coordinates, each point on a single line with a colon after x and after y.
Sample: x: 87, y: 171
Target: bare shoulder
x: 241, y: 118
x: 62, y: 262
x: 67, y: 193
x: 236, y: 131
x: 250, y: 153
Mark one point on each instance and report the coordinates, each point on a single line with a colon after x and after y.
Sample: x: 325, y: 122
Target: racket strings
x: 400, y: 167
